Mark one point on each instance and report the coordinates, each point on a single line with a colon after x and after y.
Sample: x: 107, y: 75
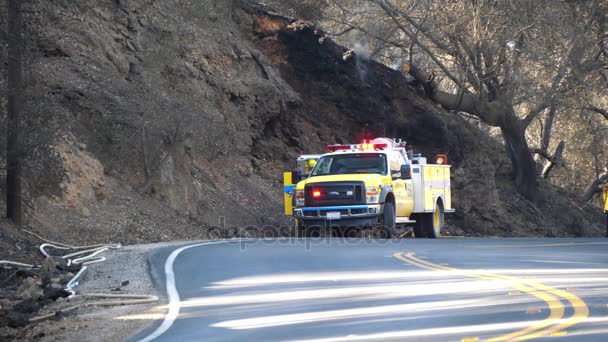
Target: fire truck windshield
x: 355, y: 163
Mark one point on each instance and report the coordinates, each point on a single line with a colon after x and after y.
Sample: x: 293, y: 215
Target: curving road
x: 382, y: 290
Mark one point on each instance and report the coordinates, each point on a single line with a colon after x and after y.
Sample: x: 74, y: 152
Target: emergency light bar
x: 373, y: 147
x: 365, y: 146
x: 334, y: 148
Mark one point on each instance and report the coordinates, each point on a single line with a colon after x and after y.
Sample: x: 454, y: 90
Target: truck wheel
x: 419, y: 232
x: 299, y: 229
x: 388, y: 220
x: 312, y: 232
x: 351, y: 232
x: 434, y: 222
x: 306, y: 232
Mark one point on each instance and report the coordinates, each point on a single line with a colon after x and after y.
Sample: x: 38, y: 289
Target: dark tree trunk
x: 548, y: 128
x: 546, y: 141
x: 494, y: 113
x: 524, y: 166
x: 14, y: 203
x: 595, y: 187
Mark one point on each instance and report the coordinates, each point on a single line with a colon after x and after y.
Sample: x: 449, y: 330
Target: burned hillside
x: 176, y: 117
x: 154, y: 121
x: 348, y: 94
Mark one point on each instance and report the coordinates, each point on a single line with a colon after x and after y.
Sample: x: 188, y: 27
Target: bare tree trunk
x: 146, y: 161
x: 557, y: 157
x: 545, y: 141
x: 513, y: 131
x: 524, y: 166
x: 548, y: 128
x: 594, y: 187
x: 14, y: 203
x: 497, y: 114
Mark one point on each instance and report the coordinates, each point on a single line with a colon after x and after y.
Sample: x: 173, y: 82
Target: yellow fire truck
x: 374, y: 184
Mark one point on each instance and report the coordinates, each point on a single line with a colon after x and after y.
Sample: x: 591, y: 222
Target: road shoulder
x: 126, y: 271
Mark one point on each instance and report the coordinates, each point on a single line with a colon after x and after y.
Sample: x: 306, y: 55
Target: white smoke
x: 361, y: 58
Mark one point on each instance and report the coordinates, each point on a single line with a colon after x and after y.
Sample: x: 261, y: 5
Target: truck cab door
x: 402, y: 189
x: 408, y: 200
x: 399, y: 192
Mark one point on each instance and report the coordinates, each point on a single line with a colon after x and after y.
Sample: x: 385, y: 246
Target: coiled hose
x: 91, y: 256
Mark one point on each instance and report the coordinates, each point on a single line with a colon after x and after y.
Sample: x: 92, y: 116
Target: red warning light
x: 316, y: 193
x: 366, y: 146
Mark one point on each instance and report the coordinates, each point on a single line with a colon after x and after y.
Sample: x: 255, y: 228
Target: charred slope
x: 347, y: 94
x: 175, y: 114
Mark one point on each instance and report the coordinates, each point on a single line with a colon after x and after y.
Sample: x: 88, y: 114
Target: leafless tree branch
x: 603, y: 112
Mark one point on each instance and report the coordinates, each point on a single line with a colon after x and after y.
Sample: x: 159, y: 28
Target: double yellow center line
x: 554, y: 324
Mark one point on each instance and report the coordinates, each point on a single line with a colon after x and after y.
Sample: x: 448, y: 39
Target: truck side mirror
x: 406, y: 172
x: 295, y: 177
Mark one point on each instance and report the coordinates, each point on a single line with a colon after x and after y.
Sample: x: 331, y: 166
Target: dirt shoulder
x: 124, y: 272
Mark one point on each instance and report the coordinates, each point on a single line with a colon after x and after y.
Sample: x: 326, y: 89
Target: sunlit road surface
x: 386, y: 290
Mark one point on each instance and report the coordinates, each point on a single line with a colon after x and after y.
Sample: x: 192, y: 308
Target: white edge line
x: 174, y: 300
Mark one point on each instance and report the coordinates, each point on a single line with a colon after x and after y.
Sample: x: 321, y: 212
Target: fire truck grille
x: 335, y: 193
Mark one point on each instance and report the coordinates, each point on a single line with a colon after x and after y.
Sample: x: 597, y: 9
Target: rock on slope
x: 170, y: 99
x: 194, y: 108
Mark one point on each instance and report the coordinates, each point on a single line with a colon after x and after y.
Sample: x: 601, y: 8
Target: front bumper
x: 349, y: 215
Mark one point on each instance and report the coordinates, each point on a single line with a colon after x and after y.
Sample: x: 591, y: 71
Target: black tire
x: 419, y: 232
x: 351, y: 232
x: 429, y: 225
x: 306, y: 232
x: 337, y: 232
x: 299, y: 229
x: 311, y: 232
x: 388, y: 220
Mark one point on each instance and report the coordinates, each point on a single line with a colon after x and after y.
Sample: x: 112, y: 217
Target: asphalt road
x: 382, y: 290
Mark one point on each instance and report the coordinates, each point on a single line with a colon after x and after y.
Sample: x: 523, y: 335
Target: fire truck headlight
x: 372, y: 194
x: 299, y: 198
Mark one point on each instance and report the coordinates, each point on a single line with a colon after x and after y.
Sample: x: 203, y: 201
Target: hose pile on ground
x: 83, y: 256
x: 18, y: 264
